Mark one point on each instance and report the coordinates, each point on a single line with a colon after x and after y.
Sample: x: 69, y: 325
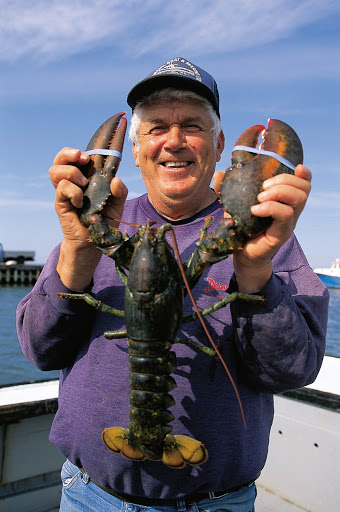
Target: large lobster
x: 154, y: 287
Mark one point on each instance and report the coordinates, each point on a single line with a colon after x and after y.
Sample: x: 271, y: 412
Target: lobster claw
x: 243, y: 180
x: 102, y: 168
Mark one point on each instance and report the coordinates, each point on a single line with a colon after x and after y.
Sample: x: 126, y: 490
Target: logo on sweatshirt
x: 214, y: 286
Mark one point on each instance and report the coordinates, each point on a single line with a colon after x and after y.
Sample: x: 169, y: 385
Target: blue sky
x: 67, y: 65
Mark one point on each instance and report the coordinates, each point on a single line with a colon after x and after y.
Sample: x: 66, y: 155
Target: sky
x: 67, y: 65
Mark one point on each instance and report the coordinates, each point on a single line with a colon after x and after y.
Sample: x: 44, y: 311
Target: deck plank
x: 266, y: 501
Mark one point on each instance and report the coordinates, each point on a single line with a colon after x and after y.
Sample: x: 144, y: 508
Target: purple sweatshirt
x: 267, y: 349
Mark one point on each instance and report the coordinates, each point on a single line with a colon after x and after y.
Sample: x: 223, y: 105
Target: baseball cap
x: 181, y: 74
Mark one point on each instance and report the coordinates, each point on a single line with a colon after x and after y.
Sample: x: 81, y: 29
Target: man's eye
x: 192, y: 128
x: 158, y: 130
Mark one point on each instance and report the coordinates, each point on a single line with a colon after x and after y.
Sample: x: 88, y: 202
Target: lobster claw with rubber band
x: 105, y: 149
x: 280, y: 152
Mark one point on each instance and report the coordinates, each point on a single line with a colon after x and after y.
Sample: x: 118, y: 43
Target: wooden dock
x: 19, y: 274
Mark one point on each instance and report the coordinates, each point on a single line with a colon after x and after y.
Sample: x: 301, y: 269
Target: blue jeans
x: 79, y: 494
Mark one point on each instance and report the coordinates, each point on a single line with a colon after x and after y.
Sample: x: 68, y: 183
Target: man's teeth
x: 176, y: 164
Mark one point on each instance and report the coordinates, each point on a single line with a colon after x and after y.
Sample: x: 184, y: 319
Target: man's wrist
x: 76, y: 265
x: 251, y: 279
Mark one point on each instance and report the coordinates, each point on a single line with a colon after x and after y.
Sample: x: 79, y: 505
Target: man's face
x: 177, y: 154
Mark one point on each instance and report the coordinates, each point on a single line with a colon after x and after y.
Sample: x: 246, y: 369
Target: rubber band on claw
x: 277, y: 157
x: 104, y: 152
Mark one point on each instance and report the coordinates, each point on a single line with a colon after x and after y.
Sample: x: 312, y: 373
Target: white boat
x: 330, y: 276
x: 302, y: 472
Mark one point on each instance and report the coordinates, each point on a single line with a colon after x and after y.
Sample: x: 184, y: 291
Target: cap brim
x: 156, y: 83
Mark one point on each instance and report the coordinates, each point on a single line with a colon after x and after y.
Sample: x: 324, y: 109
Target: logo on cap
x: 179, y: 66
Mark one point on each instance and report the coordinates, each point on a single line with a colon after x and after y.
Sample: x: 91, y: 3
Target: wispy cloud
x: 51, y: 30
x: 285, y: 63
x: 26, y: 204
x: 226, y: 27
x: 325, y: 200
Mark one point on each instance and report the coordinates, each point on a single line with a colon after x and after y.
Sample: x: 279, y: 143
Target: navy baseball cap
x: 181, y: 74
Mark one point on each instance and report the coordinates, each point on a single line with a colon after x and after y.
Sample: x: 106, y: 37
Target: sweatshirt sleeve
x: 51, y: 329
x: 282, y: 345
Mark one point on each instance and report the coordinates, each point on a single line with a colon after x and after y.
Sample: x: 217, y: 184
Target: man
x: 177, y: 140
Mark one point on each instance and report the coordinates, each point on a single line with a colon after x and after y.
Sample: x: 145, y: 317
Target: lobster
x: 154, y: 291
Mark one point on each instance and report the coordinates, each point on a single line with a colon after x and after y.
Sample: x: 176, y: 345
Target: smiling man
x: 175, y: 148
x: 177, y: 140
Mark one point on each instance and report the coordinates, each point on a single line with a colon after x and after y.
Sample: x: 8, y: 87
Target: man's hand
x: 283, y: 198
x: 78, y: 256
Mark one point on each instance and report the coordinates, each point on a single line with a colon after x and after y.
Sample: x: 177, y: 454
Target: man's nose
x: 175, y: 137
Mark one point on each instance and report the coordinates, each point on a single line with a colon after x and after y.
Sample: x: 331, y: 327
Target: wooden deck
x: 266, y: 501
x: 304, y: 448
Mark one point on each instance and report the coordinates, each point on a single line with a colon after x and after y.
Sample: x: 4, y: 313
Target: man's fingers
x: 278, y: 211
x: 301, y: 179
x: 68, y: 192
x: 118, y: 189
x: 67, y: 172
x: 65, y: 166
x: 292, y: 196
x: 290, y: 190
x: 218, y: 178
x: 115, y: 205
x: 303, y: 172
x: 71, y: 155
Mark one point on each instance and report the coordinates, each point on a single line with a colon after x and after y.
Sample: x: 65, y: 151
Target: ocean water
x: 333, y: 326
x: 14, y: 367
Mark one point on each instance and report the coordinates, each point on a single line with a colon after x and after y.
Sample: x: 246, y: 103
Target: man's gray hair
x: 166, y: 96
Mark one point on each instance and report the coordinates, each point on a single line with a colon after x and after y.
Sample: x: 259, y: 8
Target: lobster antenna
x: 205, y: 327
x: 121, y: 221
x: 152, y: 223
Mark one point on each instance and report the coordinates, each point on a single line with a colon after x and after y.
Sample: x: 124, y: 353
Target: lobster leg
x: 210, y: 249
x: 115, y: 335
x: 196, y: 346
x: 224, y: 301
x: 104, y: 308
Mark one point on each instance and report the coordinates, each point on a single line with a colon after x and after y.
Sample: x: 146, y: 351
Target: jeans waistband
x: 190, y: 498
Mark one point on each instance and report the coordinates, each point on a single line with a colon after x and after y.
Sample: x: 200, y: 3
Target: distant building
x: 18, y: 257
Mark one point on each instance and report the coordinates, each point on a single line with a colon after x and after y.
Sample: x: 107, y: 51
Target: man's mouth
x: 177, y: 165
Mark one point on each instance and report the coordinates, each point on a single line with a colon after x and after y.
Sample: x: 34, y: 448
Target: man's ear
x: 135, y: 153
x: 220, y: 146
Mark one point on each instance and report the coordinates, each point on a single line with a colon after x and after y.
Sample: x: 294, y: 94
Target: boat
x: 301, y: 474
x: 330, y: 276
